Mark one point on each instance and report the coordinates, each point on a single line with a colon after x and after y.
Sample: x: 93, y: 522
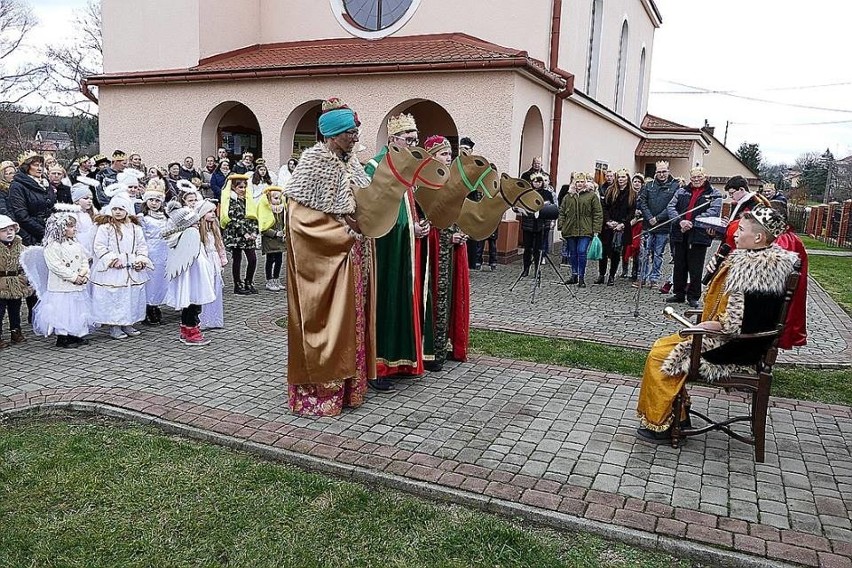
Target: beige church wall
x: 528, y: 94
x: 517, y: 25
x: 587, y: 138
x: 722, y: 163
x: 481, y: 108
x: 154, y: 34
x: 574, y: 50
x: 226, y: 25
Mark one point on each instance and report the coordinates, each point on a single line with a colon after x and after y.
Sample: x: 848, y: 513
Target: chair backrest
x: 771, y: 354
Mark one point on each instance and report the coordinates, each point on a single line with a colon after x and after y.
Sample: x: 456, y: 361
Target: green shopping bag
x: 595, y: 251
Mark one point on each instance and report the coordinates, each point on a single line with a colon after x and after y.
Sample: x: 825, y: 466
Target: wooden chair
x: 756, y: 380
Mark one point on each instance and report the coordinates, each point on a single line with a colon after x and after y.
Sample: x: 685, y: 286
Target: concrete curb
x: 551, y: 519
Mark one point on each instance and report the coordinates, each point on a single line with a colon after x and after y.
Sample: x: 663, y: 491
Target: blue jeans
x: 653, y: 249
x: 566, y: 251
x: 577, y: 247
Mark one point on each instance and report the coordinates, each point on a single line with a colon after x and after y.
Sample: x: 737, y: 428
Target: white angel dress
x: 86, y: 229
x: 189, y: 272
x: 213, y: 314
x: 63, y: 308
x: 118, y: 293
x: 158, y: 252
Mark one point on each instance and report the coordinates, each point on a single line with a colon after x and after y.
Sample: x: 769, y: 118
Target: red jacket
x: 795, y: 330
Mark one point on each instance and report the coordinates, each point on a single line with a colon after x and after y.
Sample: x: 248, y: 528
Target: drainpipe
x: 556, y: 127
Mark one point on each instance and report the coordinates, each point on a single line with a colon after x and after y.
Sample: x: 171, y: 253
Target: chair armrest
x: 693, y: 331
x: 758, y: 335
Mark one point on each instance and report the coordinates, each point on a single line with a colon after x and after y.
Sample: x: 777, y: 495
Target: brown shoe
x: 3, y: 344
x: 18, y: 336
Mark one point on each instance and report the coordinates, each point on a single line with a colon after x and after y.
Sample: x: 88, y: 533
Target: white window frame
x: 338, y: 9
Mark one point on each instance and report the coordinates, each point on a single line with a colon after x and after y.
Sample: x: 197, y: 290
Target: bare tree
x: 16, y: 21
x: 71, y: 64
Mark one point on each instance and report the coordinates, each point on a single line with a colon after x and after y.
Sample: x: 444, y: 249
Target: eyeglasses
x: 408, y: 141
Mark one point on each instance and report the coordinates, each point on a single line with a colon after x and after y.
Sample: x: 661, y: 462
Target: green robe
x: 399, y: 334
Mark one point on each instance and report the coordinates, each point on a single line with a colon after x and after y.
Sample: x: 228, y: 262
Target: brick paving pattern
x: 555, y: 440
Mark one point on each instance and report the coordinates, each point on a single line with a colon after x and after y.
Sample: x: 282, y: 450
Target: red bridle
x: 416, y: 176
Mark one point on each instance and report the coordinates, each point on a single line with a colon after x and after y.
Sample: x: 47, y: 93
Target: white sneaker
x: 116, y: 333
x: 130, y: 330
x: 270, y: 285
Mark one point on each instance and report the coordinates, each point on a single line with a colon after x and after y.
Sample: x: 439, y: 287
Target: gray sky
x: 773, y: 50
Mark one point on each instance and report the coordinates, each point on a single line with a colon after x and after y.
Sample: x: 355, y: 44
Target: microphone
x: 721, y: 253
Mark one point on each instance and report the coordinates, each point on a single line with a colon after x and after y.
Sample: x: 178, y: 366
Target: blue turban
x: 336, y: 121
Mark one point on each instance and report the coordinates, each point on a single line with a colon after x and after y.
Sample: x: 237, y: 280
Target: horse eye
x: 395, y: 148
x: 417, y: 154
x: 520, y: 184
x: 441, y: 172
x: 479, y: 162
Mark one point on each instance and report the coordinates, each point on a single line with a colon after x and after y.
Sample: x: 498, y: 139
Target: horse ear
x: 504, y: 175
x: 417, y: 154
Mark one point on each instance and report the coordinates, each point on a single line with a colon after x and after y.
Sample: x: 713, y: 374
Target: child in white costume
x: 154, y: 221
x: 63, y: 308
x: 189, y: 271
x: 213, y: 314
x: 81, y: 195
x: 120, y: 269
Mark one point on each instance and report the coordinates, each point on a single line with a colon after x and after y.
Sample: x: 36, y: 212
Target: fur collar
x: 760, y: 271
x: 323, y: 182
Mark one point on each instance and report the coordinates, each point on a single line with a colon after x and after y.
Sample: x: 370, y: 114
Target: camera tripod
x: 541, y: 258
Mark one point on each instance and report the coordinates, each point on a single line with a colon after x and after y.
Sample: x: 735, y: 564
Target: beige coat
x: 13, y: 282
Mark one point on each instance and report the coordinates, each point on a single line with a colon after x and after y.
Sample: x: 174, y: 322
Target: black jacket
x: 30, y: 204
x: 531, y: 222
x: 710, y: 205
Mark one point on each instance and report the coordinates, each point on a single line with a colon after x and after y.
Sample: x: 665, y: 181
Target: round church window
x: 373, y: 19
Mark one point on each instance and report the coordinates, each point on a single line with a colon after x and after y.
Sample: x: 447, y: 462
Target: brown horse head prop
x: 377, y: 205
x: 467, y: 174
x: 479, y: 219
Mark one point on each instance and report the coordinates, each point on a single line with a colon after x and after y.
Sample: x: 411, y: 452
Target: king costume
x: 745, y: 296
x: 399, y: 262
x: 331, y: 290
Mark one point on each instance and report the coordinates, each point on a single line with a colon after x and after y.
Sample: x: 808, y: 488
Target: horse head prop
x: 467, y: 174
x: 377, y: 205
x: 479, y: 219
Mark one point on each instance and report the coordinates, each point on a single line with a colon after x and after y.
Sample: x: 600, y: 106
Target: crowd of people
x: 111, y: 241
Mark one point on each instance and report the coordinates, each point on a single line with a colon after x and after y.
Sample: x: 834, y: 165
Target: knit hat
x: 769, y: 219
x: 156, y: 189
x: 79, y: 191
x: 120, y: 202
x: 436, y: 144
x: 6, y: 221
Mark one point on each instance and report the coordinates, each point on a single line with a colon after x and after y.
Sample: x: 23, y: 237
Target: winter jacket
x: 217, y: 182
x: 106, y: 178
x: 4, y: 198
x: 188, y: 174
x: 30, y: 204
x: 13, y: 282
x: 63, y: 193
x: 580, y: 214
x: 654, y: 200
x: 710, y: 204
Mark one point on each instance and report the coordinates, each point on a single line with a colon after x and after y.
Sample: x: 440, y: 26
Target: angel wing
x: 32, y: 261
x: 184, y: 253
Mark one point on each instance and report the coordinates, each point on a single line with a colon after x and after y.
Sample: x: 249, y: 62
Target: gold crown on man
x: 662, y: 165
x: 401, y: 123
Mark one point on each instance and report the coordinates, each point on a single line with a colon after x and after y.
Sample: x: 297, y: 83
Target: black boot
x: 600, y: 279
x: 65, y: 341
x: 239, y: 289
x: 582, y: 283
x: 611, y: 280
x: 150, y: 318
x: 158, y: 315
x: 250, y: 289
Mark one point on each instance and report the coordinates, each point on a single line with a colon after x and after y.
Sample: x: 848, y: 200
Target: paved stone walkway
x: 553, y: 443
x: 611, y: 314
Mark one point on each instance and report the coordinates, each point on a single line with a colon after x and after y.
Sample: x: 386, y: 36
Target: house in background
x: 46, y: 140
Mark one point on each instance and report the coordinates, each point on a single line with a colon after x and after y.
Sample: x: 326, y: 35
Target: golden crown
x: 696, y: 171
x: 579, y: 176
x: 401, y: 123
x: 662, y: 165
x: 28, y: 156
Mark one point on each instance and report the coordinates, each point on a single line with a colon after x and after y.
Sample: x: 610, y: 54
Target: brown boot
x: 3, y: 344
x: 18, y: 336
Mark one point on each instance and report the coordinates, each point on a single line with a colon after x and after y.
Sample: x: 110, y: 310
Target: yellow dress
x: 658, y: 390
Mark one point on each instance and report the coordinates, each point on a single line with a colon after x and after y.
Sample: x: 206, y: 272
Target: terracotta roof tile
x: 664, y: 148
x: 651, y: 122
x: 340, y: 56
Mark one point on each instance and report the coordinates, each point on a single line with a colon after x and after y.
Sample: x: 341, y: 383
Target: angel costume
x: 330, y: 284
x: 213, y: 314
x: 153, y: 224
x: 118, y: 292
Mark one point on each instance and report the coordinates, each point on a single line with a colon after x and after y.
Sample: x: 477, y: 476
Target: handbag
x: 595, y: 250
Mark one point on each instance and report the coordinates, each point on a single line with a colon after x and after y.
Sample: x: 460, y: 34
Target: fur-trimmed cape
x: 754, y: 282
x: 323, y: 182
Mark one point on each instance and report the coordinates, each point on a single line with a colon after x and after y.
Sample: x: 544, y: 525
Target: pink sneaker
x: 194, y: 337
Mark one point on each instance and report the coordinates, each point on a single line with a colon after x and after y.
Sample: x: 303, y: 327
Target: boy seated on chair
x: 746, y: 295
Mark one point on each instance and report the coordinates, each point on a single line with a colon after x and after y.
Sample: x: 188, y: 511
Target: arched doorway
x: 532, y: 139
x: 300, y: 130
x: 431, y: 119
x: 233, y: 126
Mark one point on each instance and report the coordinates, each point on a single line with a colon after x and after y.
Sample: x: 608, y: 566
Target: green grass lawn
x: 819, y: 385
x: 834, y: 273
x: 813, y: 244
x: 106, y: 494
